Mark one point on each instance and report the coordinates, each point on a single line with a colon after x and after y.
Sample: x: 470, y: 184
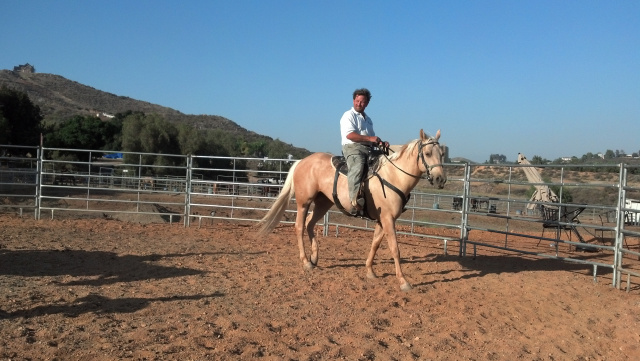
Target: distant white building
x: 105, y: 115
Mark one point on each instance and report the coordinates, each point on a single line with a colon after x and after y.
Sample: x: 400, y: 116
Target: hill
x: 60, y: 98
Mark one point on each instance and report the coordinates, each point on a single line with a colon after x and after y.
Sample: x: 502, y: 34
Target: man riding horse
x: 315, y: 181
x: 358, y: 138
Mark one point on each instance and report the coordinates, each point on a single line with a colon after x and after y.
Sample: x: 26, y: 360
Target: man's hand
x: 380, y: 143
x: 382, y: 146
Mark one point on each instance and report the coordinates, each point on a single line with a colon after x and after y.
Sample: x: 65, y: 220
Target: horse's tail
x: 273, y: 216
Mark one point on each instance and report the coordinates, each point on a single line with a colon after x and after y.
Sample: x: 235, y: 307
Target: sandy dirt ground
x: 106, y: 289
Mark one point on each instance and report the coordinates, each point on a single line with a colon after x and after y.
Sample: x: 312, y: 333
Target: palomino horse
x: 313, y: 178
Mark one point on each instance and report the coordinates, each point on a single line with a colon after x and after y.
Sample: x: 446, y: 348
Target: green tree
x: 497, y: 159
x: 82, y: 133
x: 212, y: 147
x: 150, y: 134
x: 190, y: 140
x: 277, y: 149
x: 539, y: 160
x: 567, y: 196
x: 223, y: 140
x: 113, y: 135
x: 132, y: 125
x: 4, y: 130
x: 252, y: 149
x: 160, y: 136
x: 609, y: 154
x: 20, y: 119
x: 204, y: 143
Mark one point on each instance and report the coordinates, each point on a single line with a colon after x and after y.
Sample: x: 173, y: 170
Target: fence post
x: 40, y: 153
x: 617, y: 249
x: 233, y: 187
x: 325, y: 228
x: 88, y: 180
x: 139, y: 181
x: 464, y: 232
x: 188, y: 188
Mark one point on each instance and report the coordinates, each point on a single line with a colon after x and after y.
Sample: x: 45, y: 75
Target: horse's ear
x: 438, y: 134
x: 422, y: 135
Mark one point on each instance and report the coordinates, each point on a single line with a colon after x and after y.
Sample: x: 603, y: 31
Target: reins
x: 385, y: 152
x: 420, y: 156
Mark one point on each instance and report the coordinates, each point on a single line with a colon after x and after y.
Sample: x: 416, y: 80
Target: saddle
x: 371, y: 167
x: 340, y: 164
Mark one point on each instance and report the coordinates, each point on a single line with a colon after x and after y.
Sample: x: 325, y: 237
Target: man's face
x: 359, y: 103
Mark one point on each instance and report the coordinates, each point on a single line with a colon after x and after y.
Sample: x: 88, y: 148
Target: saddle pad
x: 339, y: 162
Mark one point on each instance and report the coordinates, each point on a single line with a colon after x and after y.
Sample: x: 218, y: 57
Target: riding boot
x: 357, y: 206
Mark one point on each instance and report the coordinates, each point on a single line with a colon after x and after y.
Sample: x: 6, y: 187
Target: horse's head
x: 432, y: 157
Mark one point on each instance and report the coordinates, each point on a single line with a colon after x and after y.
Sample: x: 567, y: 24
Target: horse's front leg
x: 301, y: 217
x: 375, y: 244
x: 390, y: 228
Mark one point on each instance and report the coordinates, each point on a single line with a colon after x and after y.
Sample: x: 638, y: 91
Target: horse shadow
x: 99, y: 305
x: 481, y: 266
x: 95, y: 269
x: 477, y: 267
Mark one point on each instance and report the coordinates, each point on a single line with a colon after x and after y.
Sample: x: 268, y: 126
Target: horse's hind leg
x: 321, y: 205
x: 301, y: 216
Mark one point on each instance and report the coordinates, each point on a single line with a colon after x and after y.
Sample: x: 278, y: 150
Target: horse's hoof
x: 406, y: 287
x: 371, y: 276
x: 308, y: 266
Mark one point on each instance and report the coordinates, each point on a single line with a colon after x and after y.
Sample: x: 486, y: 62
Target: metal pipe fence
x: 138, y: 186
x: 627, y: 227
x: 19, y: 169
x: 483, y: 206
x: 592, y: 234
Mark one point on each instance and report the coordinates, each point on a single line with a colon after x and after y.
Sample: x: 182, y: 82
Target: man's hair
x: 363, y: 91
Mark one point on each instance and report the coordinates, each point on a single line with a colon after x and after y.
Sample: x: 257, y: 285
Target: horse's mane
x: 399, y: 153
x: 405, y: 148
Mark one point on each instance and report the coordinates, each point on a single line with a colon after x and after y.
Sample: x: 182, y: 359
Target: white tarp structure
x: 543, y: 193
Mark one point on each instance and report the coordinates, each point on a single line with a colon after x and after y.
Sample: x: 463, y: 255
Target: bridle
x: 420, y: 157
x: 428, y: 167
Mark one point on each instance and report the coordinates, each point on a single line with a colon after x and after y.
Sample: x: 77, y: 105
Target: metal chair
x: 550, y: 220
x: 552, y: 216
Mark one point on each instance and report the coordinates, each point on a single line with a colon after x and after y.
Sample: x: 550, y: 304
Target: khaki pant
x: 356, y: 155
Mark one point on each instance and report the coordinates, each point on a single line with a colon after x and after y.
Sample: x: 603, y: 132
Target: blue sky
x: 548, y: 78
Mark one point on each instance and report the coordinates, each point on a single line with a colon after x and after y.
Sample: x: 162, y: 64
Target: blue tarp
x: 113, y: 156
